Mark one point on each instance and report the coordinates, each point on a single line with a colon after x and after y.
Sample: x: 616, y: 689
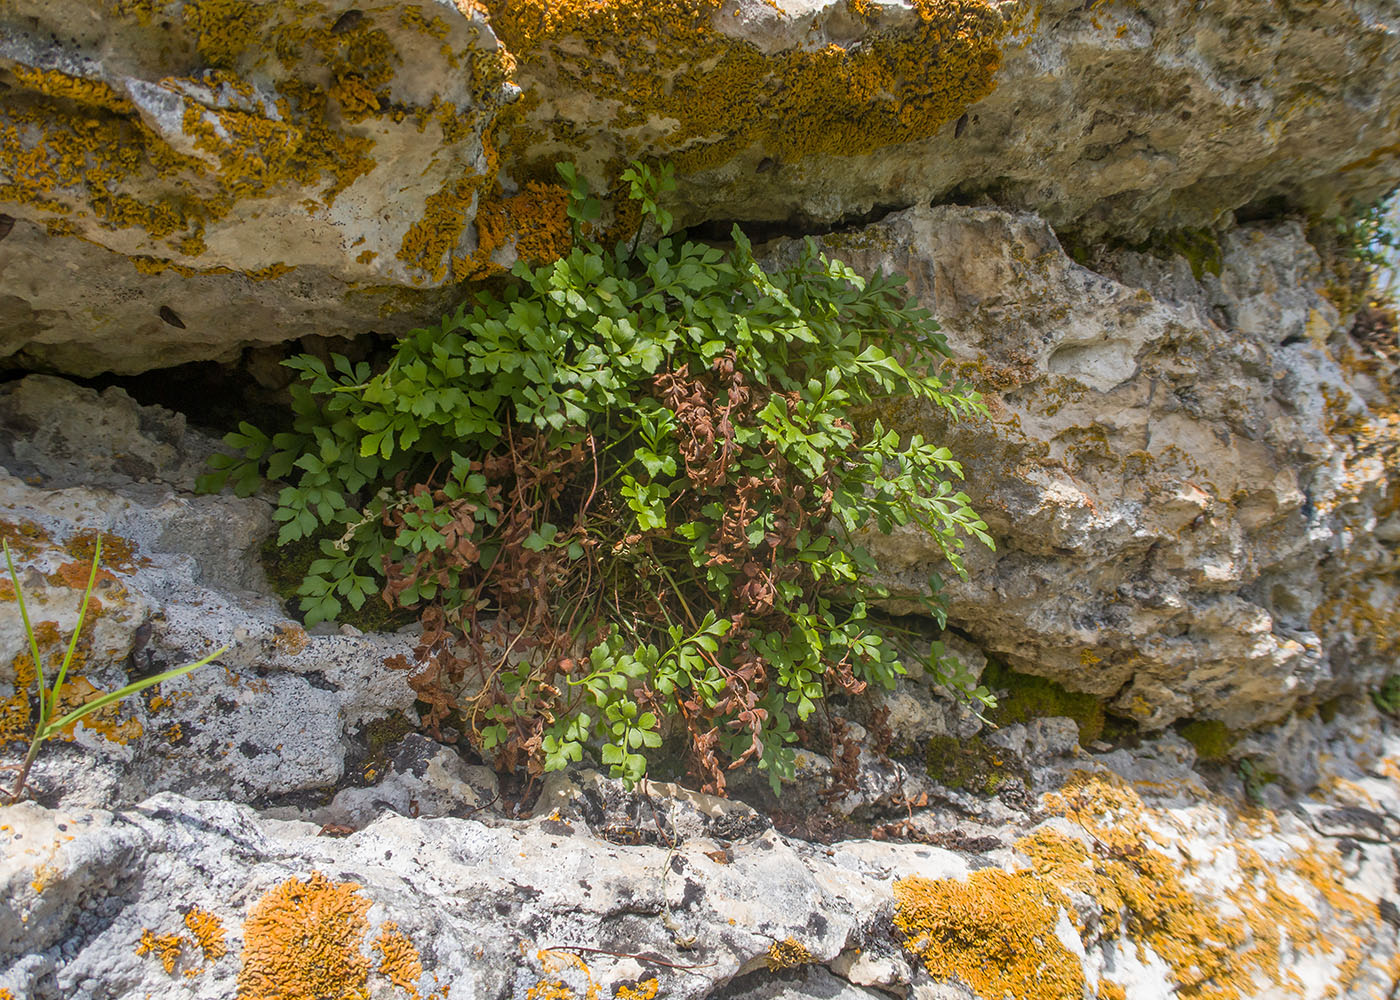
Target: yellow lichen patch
x: 554, y: 961
x: 398, y: 959
x: 50, y: 145
x: 165, y: 947
x: 257, y: 153
x: 788, y: 954
x: 270, y: 272
x: 69, y: 144
x: 80, y: 90
x: 302, y: 941
x: 1223, y: 949
x: 428, y: 244
x: 647, y: 989
x: 718, y: 95
x: 208, y: 933
x: 106, y: 722
x: 536, y: 219
x: 995, y: 931
x: 44, y: 876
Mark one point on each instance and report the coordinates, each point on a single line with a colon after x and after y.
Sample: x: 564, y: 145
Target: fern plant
x: 628, y: 495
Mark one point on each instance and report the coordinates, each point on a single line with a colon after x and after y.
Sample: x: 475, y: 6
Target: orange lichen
x: 788, y: 954
x: 302, y: 941
x: 165, y: 947
x: 290, y: 638
x: 74, y: 575
x: 398, y: 959
x: 717, y: 95
x: 208, y: 933
x: 25, y: 539
x: 1140, y: 883
x: 118, y: 553
x: 996, y: 931
x: 647, y: 989
x: 16, y: 721
x: 535, y: 218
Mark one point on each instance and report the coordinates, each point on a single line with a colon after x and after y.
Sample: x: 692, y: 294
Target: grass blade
x: 77, y: 629
x: 29, y: 631
x: 103, y: 701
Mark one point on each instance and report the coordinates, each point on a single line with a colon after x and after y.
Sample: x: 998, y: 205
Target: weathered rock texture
x: 181, y: 179
x: 1129, y: 882
x: 1189, y: 463
x: 1192, y: 482
x: 272, y: 717
x: 183, y: 844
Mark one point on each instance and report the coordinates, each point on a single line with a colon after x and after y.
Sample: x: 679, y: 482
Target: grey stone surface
x: 1184, y: 478
x: 272, y: 716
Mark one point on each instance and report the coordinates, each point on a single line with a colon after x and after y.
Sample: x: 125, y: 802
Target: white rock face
x: 1186, y: 479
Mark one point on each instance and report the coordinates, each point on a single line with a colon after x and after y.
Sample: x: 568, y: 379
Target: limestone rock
x: 185, y: 178
x: 271, y: 717
x: 101, y: 900
x: 1183, y: 476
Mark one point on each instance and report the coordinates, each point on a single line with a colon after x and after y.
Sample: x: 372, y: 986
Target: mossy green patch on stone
x: 1387, y: 696
x: 972, y: 765
x: 1200, y: 247
x: 1211, y: 738
x: 1023, y: 697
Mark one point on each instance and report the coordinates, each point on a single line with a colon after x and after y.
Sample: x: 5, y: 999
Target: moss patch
x: 1212, y: 739
x: 1023, y: 697
x: 1387, y: 696
x: 972, y: 765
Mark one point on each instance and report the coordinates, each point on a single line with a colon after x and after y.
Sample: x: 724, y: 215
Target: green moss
x: 1387, y: 696
x: 1330, y: 709
x: 286, y: 567
x: 1023, y: 697
x: 1200, y: 247
x: 1211, y: 738
x: 971, y: 765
